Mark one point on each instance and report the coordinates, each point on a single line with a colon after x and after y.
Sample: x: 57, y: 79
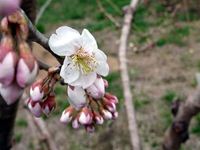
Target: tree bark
x: 183, y: 112
x: 8, y: 113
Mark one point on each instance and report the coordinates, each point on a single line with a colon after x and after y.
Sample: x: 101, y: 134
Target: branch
x: 178, y: 132
x: 109, y: 16
x: 41, y: 125
x: 42, y: 10
x: 40, y: 38
x: 43, y: 65
x: 133, y: 130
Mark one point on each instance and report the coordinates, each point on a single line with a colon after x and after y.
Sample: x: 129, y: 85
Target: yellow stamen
x: 84, y: 61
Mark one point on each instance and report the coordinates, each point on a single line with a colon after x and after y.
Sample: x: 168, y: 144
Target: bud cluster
x: 99, y: 106
x: 42, y: 97
x: 18, y: 66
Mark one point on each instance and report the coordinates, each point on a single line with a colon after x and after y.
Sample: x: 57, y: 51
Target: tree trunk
x: 8, y: 113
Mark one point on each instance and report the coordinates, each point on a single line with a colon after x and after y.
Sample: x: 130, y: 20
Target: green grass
x: 65, y: 10
x: 166, y: 117
x: 18, y: 137
x: 20, y: 122
x: 175, y: 36
x: 169, y: 96
x: 61, y: 99
x: 196, y: 128
x: 140, y: 101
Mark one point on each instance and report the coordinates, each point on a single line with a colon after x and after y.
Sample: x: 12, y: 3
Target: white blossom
x: 83, y: 60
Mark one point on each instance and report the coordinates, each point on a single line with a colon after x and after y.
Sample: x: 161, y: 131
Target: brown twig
x: 43, y: 135
x: 109, y: 16
x: 47, y: 137
x: 43, y: 65
x: 41, y: 39
x: 34, y: 131
x: 177, y: 133
x: 135, y: 141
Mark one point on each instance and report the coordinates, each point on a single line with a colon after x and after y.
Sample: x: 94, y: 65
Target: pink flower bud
x: 109, y: 105
x: 27, y: 68
x: 8, y: 6
x: 10, y: 93
x: 36, y: 92
x: 85, y: 116
x: 67, y: 115
x: 115, y: 115
x: 90, y: 128
x: 75, y: 124
x: 8, y: 61
x: 35, y: 108
x: 77, y: 97
x: 106, y: 114
x: 97, y: 89
x: 98, y: 118
x: 48, y: 105
x: 111, y: 98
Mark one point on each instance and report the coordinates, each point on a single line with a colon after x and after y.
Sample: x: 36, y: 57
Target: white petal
x: 102, y: 68
x: 99, y: 55
x: 88, y: 41
x: 85, y: 81
x: 65, y: 42
x: 77, y: 97
x: 69, y: 72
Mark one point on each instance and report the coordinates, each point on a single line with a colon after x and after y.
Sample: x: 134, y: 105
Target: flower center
x: 84, y: 61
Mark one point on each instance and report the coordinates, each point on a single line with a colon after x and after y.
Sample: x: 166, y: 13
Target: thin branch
x: 41, y: 39
x: 109, y: 16
x: 178, y: 132
x: 47, y: 137
x: 133, y: 129
x: 42, y: 127
x: 43, y: 65
x: 42, y: 10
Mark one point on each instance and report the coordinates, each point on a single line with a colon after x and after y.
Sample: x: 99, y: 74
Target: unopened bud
x: 8, y: 61
x: 8, y: 6
x: 35, y: 108
x: 75, y: 124
x: 77, y: 97
x: 97, y: 89
x: 48, y: 105
x: 67, y: 115
x: 85, y: 116
x: 98, y: 118
x: 36, y: 92
x: 106, y: 114
x: 10, y: 93
x: 27, y: 68
x: 111, y: 98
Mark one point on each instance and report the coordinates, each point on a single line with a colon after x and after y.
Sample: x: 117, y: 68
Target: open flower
x: 83, y: 60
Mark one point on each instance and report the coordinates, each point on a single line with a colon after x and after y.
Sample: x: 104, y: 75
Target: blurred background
x: 163, y: 58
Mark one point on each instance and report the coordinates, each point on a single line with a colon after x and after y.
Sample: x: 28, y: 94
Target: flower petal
x: 88, y: 41
x: 65, y: 41
x: 102, y: 68
x: 77, y: 97
x: 99, y: 55
x: 69, y: 72
x: 85, y: 81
